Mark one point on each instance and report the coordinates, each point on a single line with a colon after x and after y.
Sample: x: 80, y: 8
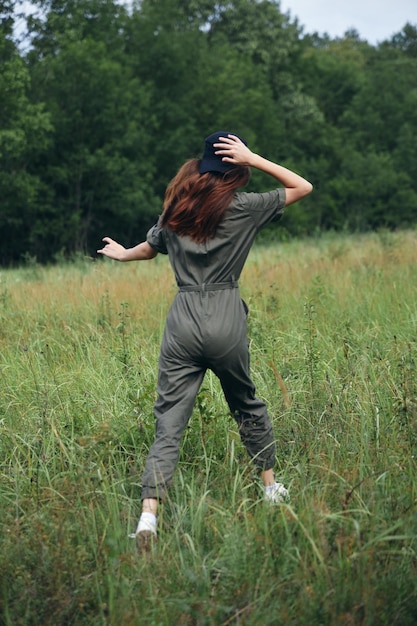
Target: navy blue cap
x: 211, y: 162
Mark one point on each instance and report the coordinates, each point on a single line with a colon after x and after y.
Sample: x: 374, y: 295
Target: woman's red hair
x: 195, y: 203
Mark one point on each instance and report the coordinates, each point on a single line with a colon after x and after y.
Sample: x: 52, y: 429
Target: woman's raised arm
x: 235, y: 151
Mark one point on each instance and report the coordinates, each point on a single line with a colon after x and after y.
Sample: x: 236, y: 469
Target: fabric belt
x: 209, y: 286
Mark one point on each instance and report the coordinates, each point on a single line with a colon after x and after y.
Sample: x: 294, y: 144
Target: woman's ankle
x: 150, y: 505
x: 268, y: 477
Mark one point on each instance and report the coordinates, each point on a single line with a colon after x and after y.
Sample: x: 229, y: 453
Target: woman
x: 207, y: 229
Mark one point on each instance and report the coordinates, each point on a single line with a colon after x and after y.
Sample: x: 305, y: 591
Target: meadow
x: 333, y: 333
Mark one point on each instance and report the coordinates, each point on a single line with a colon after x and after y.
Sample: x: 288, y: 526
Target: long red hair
x: 195, y: 203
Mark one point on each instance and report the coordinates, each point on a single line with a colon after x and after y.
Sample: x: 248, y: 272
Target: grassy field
x: 333, y: 330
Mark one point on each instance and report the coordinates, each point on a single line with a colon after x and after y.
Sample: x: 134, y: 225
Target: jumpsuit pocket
x: 245, y: 307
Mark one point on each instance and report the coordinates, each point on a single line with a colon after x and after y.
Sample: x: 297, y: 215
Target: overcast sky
x: 375, y: 20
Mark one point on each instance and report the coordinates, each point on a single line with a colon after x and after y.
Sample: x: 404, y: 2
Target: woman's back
x: 221, y: 258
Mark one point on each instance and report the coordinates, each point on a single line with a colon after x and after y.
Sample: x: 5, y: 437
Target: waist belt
x: 209, y: 286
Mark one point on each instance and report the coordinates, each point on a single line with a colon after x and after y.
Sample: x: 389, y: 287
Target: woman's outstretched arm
x: 235, y: 151
x: 142, y: 252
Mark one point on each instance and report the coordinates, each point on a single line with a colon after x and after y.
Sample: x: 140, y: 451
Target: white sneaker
x: 276, y: 493
x: 146, y: 524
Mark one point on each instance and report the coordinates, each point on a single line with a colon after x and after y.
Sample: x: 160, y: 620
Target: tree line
x: 100, y: 103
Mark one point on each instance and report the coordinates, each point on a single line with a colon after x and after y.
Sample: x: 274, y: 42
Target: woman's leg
x: 249, y: 412
x: 177, y: 390
x: 251, y: 415
x: 178, y: 385
x: 150, y: 505
x: 268, y: 477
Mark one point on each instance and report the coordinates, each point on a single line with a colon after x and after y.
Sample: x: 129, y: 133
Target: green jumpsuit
x: 206, y: 328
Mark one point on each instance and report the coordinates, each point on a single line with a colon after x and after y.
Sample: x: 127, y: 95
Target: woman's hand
x: 142, y: 252
x: 233, y: 150
x: 113, y: 250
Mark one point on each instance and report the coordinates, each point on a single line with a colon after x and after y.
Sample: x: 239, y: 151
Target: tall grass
x: 333, y: 330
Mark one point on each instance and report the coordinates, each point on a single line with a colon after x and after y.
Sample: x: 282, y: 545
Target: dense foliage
x: 100, y: 103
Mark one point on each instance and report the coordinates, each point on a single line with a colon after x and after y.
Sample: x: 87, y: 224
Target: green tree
x: 405, y: 41
x: 370, y: 193
x: 108, y: 101
x: 24, y: 135
x: 100, y: 165
x: 261, y: 32
x: 200, y: 81
x: 380, y: 123
x: 333, y: 72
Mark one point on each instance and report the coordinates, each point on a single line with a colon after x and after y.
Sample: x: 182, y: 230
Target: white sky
x: 375, y: 20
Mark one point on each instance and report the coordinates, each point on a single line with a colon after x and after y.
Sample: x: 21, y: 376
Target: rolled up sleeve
x: 265, y: 207
x: 156, y: 239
